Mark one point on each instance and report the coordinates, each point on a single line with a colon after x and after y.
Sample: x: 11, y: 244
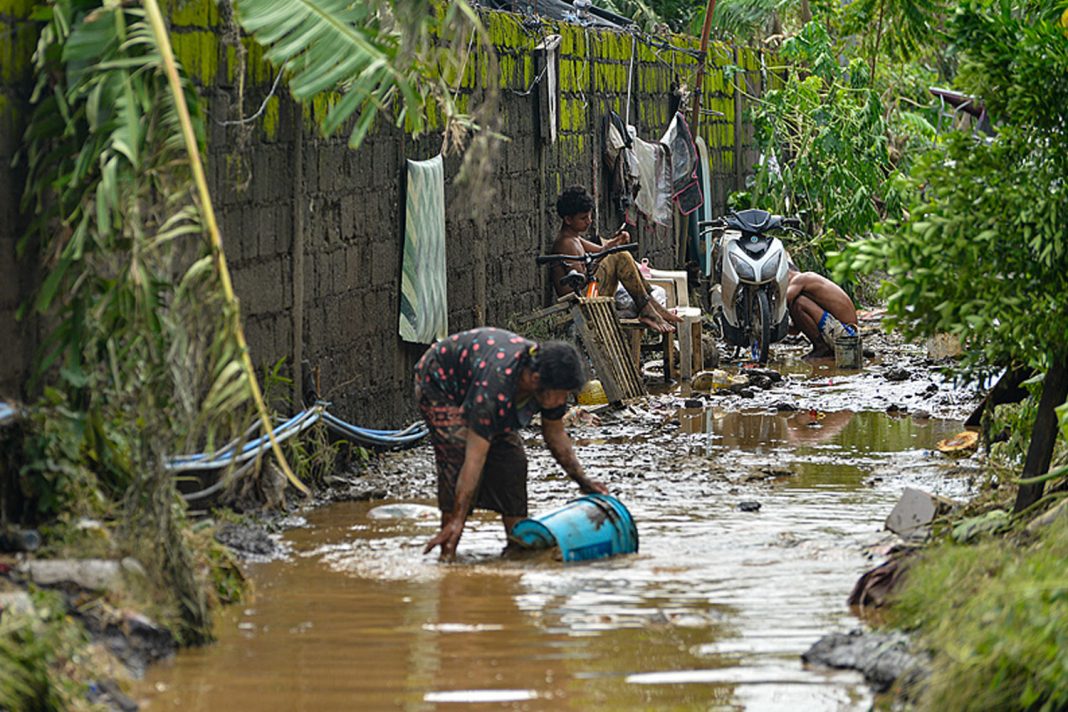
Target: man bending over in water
x: 821, y: 310
x: 575, y: 208
x: 476, y: 389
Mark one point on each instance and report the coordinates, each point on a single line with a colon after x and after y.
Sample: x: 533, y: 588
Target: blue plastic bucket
x: 591, y: 527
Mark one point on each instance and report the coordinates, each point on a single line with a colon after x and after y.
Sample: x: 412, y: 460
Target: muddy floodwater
x: 712, y: 613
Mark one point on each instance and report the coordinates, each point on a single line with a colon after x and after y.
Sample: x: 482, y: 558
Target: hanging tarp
x: 622, y: 165
x: 685, y: 188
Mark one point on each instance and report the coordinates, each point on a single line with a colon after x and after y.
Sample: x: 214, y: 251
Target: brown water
x: 713, y: 612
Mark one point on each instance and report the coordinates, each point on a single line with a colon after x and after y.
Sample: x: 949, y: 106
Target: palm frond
x: 367, y: 57
x: 744, y: 19
x: 335, y: 45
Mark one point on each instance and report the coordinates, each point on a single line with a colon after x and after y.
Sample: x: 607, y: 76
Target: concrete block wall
x: 313, y: 230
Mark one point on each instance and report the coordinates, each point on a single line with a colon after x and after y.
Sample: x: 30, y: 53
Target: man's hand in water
x: 448, y: 539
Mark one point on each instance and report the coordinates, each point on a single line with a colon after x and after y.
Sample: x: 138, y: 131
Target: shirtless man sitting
x: 821, y: 310
x: 575, y: 208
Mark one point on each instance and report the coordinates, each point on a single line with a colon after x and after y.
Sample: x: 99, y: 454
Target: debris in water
x: 960, y: 444
x: 404, y: 511
x: 749, y: 506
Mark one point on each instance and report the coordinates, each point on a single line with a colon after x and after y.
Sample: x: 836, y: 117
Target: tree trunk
x: 1044, y: 434
x: 878, y: 38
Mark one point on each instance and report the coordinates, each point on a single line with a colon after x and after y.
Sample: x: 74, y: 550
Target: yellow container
x: 592, y: 394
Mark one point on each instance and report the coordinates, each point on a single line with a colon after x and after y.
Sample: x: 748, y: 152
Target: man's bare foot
x: 818, y: 352
x: 654, y: 322
x: 665, y: 313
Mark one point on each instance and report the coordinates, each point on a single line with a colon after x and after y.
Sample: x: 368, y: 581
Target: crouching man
x: 475, y: 390
x: 821, y: 310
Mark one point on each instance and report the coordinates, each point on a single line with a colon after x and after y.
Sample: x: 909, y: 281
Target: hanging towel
x: 654, y: 179
x: 545, y: 54
x: 423, y: 303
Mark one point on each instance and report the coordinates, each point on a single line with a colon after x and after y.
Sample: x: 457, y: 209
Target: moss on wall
x: 17, y: 42
x: 194, y: 13
x: 198, y: 53
x: 270, y: 119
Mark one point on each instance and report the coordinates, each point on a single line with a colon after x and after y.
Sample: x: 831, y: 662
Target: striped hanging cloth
x: 423, y: 302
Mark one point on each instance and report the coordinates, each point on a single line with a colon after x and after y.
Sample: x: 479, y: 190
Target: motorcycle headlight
x: 768, y: 270
x: 743, y: 268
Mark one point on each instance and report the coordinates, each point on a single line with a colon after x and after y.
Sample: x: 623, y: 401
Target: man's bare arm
x: 466, y: 485
x: 556, y: 438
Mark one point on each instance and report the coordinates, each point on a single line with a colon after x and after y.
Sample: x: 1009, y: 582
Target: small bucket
x: 848, y: 352
x: 593, y: 526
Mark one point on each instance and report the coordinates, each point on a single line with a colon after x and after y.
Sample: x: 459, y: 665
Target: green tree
x: 827, y: 130
x: 984, y: 251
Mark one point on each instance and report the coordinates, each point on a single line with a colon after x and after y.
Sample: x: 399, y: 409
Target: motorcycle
x: 749, y: 279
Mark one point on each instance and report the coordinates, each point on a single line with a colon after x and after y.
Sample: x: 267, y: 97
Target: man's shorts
x: 831, y: 329
x: 503, y: 484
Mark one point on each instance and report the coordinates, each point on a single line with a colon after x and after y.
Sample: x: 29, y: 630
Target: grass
x: 44, y: 659
x: 995, y: 616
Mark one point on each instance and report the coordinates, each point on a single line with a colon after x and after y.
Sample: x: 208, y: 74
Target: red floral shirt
x: 478, y: 370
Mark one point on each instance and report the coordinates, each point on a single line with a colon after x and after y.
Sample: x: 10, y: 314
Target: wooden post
x: 740, y: 81
x: 705, y: 29
x: 1044, y: 433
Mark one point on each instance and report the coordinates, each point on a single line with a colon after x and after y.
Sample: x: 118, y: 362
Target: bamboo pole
x: 159, y: 29
x: 705, y: 30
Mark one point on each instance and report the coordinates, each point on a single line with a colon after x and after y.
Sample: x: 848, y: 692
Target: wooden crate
x: 598, y: 329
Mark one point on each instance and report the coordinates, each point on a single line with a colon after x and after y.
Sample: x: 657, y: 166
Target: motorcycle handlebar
x: 774, y: 222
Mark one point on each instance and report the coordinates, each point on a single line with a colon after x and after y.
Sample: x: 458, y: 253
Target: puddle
x: 713, y: 613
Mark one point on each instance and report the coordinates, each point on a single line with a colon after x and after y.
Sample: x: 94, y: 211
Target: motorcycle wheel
x: 760, y: 334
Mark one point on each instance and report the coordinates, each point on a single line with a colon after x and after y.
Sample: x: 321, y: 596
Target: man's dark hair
x: 560, y: 366
x: 574, y: 200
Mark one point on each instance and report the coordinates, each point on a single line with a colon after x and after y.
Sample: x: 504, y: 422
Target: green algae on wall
x: 270, y: 118
x: 195, y: 13
x: 198, y: 53
x: 16, y: 9
x: 17, y: 43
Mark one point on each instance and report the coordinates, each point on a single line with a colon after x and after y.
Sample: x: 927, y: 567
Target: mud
x: 249, y: 540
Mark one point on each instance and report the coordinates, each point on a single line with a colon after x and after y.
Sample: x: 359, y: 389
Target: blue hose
x: 377, y: 438
x: 298, y: 422
x: 386, y: 439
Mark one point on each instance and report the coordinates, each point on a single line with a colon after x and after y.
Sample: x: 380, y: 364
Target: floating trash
x: 960, y: 444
